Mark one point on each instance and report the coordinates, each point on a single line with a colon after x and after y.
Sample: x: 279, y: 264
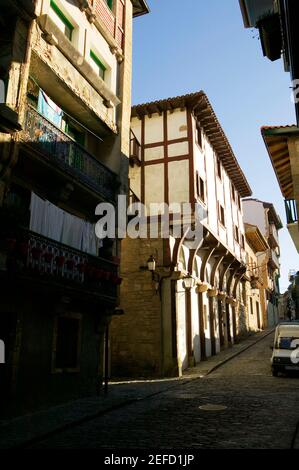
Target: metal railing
x: 59, y: 148
x: 32, y: 254
x: 291, y: 211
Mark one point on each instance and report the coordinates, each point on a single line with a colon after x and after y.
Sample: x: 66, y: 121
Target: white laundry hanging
x: 52, y: 222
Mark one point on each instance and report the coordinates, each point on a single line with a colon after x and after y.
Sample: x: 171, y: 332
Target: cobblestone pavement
x: 261, y: 412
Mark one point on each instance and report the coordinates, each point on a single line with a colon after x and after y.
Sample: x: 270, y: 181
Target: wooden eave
x: 276, y: 141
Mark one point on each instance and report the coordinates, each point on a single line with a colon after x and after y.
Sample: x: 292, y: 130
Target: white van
x: 285, y: 355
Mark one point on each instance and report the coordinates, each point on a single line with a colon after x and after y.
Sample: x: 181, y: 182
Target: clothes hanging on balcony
x: 37, y: 212
x: 90, y: 242
x: 72, y: 231
x: 52, y: 222
x: 54, y: 229
x: 49, y: 109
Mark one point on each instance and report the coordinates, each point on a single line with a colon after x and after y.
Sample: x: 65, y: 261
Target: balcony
x: 292, y: 221
x: 60, y: 151
x: 291, y: 211
x: 31, y: 256
x: 24, y: 8
x: 273, y: 260
x: 273, y: 237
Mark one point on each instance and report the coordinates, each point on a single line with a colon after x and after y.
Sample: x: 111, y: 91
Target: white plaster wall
x: 154, y: 188
x: 206, y: 314
x: 195, y: 325
x: 229, y: 211
x: 211, y: 187
x: 154, y: 153
x: 222, y: 234
x: 252, y: 318
x: 197, y: 266
x: 181, y: 326
x: 254, y: 213
x: 178, y: 149
x: 135, y: 181
x: 136, y: 128
x: 217, y: 327
x: 177, y: 124
x: 199, y: 161
x: 154, y: 129
x: 178, y: 176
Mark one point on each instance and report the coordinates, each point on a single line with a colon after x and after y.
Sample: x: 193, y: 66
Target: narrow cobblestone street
x: 261, y: 412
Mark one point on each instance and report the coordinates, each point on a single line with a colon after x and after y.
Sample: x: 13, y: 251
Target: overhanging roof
x: 255, y: 238
x: 276, y: 141
x: 140, y: 7
x: 204, y: 113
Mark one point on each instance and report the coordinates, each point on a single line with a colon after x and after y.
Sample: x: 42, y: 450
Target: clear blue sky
x: 180, y: 50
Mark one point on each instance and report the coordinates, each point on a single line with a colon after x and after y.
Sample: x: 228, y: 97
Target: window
x: 221, y: 215
x: 61, y: 20
x: 243, y: 242
x: 67, y: 343
x: 199, y: 137
x: 73, y: 130
x: 233, y: 195
x: 239, y: 201
x: 251, y: 306
x: 218, y: 163
x: 200, y: 187
x: 237, y: 236
x: 110, y: 4
x: 97, y: 65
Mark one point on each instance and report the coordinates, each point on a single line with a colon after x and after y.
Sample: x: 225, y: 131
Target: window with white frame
x: 97, y: 64
x: 61, y: 20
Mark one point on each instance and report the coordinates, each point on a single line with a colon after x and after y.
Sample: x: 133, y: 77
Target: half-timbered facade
x: 189, y: 307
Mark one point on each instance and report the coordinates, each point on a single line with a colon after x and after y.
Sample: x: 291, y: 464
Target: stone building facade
x: 264, y: 216
x: 256, y: 247
x: 64, y: 136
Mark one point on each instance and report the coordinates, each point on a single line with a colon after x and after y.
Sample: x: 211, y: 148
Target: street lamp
x: 189, y: 282
x: 151, y: 264
x: 151, y: 267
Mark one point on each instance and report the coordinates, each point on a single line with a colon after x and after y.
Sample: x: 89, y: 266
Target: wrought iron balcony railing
x: 59, y: 149
x: 34, y: 255
x: 291, y: 211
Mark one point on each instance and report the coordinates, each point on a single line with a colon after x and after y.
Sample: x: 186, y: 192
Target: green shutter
x: 110, y: 4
